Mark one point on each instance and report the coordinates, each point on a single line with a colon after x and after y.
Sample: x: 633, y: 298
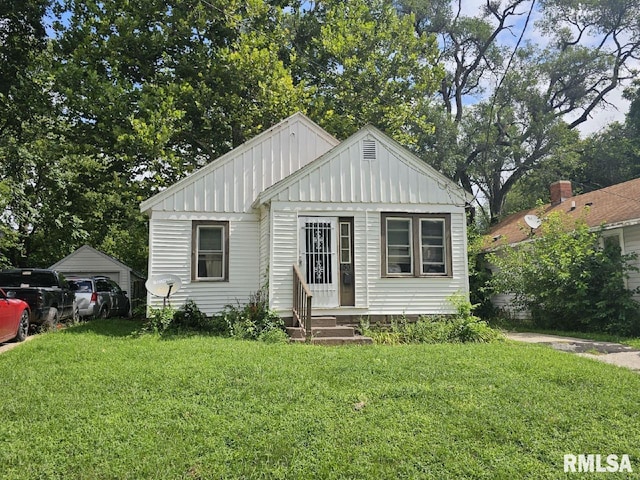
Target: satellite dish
x: 163, y: 285
x: 533, y: 221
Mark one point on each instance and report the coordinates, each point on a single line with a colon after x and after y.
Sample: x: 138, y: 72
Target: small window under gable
x: 368, y: 150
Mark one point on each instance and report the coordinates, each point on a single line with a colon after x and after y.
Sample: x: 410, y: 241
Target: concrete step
x: 295, y: 333
x: 355, y: 340
x: 332, y: 332
x: 323, y: 321
x: 322, y: 332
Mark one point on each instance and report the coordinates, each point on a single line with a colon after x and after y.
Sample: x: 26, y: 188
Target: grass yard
x: 94, y: 402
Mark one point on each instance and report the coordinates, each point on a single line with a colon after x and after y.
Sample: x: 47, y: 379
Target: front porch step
x: 323, y: 321
x: 322, y: 332
x: 355, y: 340
x: 325, y: 331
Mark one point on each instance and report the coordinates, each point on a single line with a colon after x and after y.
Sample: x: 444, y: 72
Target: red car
x: 14, y: 318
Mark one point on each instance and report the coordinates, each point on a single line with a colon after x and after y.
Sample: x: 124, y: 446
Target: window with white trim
x: 433, y: 248
x: 345, y: 242
x: 415, y: 245
x: 399, y: 246
x: 210, y: 255
x: 613, y: 239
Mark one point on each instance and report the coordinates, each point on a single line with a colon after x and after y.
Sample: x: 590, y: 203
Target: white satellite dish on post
x: 163, y: 285
x: 532, y: 221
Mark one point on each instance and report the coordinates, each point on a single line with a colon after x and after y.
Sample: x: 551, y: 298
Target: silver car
x: 100, y: 297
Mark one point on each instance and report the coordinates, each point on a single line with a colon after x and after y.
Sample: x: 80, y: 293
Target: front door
x: 319, y: 259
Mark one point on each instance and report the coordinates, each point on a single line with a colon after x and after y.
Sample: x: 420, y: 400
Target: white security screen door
x: 319, y: 259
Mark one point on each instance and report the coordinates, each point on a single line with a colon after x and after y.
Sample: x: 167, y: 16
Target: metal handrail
x: 301, y: 302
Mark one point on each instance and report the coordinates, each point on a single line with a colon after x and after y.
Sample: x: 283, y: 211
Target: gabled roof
x: 90, y: 249
x: 455, y: 193
x: 232, y: 155
x: 612, y: 206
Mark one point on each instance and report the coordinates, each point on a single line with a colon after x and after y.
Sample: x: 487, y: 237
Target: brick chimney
x: 560, y: 191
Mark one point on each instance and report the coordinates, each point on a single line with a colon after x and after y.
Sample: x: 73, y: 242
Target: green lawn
x: 94, y: 402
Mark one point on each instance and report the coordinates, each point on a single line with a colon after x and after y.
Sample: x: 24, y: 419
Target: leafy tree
x: 162, y: 88
x: 566, y: 280
x: 26, y: 129
x: 605, y: 158
x: 365, y: 64
x: 22, y: 39
x: 532, y: 99
x: 126, y: 99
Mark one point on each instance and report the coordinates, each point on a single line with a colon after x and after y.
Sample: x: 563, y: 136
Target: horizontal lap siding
x: 284, y: 253
x: 394, y: 296
x: 265, y: 228
x: 632, y: 245
x: 170, y: 244
x: 362, y: 244
x: 83, y: 261
x: 374, y: 295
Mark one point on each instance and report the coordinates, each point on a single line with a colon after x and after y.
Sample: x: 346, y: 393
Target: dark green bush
x: 565, y: 280
x: 251, y: 320
x: 459, y: 328
x: 189, y: 317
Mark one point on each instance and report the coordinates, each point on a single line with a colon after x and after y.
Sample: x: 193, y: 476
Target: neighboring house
x: 617, y: 208
x: 374, y: 230
x: 86, y: 261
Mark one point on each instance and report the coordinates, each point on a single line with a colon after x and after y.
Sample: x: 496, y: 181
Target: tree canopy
x: 136, y: 95
x: 511, y: 104
x: 104, y: 103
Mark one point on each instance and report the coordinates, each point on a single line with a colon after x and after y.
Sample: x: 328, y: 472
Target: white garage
x: 86, y: 261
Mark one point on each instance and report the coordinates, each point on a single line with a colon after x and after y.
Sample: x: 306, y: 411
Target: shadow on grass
x: 110, y: 327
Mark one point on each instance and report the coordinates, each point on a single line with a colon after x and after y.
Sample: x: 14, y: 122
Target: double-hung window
x: 399, y: 246
x: 210, y: 253
x: 415, y: 245
x: 433, y: 248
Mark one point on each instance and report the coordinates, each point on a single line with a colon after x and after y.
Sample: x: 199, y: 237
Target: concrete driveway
x: 613, y: 353
x: 9, y: 345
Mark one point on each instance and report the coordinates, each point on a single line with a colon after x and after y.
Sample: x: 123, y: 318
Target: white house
x: 374, y: 230
x: 616, y: 209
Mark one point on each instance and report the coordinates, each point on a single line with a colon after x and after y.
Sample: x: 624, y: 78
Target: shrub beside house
x: 582, y: 277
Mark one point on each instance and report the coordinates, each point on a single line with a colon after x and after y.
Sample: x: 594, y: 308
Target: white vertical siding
x: 231, y: 183
x: 170, y: 247
x: 344, y: 177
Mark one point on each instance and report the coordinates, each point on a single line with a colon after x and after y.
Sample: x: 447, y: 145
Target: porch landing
x: 325, y: 331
